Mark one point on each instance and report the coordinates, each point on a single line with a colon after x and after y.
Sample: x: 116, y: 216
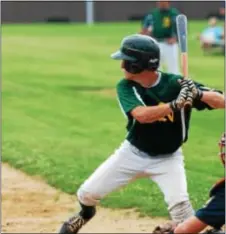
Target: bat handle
x: 184, y: 64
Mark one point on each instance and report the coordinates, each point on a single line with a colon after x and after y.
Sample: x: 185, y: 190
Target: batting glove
x: 196, y: 92
x: 185, y: 97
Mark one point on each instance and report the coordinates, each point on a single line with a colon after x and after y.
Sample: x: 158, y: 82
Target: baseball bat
x: 181, y: 24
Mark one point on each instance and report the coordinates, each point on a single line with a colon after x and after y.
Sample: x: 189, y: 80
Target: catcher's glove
x: 165, y: 229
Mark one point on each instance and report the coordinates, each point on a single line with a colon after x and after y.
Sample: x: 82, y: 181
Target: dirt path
x: 31, y: 206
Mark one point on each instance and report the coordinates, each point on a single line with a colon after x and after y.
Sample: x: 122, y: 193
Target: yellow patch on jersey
x: 169, y: 117
x: 166, y: 22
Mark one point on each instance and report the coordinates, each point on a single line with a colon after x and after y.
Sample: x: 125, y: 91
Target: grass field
x: 60, y: 117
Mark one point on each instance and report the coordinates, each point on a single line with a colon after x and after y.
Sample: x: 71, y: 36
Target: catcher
x: 212, y: 214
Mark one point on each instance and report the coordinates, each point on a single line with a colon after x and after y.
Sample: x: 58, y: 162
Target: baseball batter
x: 157, y: 124
x: 160, y: 23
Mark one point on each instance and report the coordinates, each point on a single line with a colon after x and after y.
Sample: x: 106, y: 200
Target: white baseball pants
x: 128, y: 163
x: 169, y: 57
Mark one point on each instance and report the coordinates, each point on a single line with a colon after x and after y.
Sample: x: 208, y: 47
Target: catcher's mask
x: 139, y: 52
x: 222, y: 148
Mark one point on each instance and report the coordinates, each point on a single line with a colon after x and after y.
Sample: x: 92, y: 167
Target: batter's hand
x: 196, y: 93
x: 184, y: 97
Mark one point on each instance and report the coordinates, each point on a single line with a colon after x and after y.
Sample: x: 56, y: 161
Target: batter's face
x: 212, y: 21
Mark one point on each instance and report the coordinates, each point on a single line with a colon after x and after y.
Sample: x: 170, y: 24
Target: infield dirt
x: 29, y: 205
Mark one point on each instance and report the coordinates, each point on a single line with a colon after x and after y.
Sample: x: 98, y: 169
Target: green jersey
x: 163, y: 23
x: 167, y: 134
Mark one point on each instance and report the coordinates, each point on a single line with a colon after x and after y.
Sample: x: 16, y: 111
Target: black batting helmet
x: 140, y: 52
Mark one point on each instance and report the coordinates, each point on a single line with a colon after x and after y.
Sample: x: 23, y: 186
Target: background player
x: 160, y: 23
x: 212, y: 36
x: 212, y: 214
x: 152, y: 102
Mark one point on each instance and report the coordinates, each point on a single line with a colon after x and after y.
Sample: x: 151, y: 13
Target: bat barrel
x: 181, y: 22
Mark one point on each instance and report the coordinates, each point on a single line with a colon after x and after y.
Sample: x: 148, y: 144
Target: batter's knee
x: 87, y: 198
x: 181, y: 211
x: 173, y: 198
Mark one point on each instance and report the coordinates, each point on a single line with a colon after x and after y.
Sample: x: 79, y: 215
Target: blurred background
x: 104, y: 11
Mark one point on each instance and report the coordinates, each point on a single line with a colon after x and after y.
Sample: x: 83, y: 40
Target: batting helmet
x: 139, y: 53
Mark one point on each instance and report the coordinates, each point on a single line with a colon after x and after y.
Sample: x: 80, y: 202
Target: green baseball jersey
x: 163, y: 23
x: 168, y: 133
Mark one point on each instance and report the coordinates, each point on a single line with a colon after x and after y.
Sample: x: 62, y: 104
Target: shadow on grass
x: 214, y: 53
x: 105, y: 91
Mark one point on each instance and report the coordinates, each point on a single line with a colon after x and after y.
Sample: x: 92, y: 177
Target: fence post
x: 89, y: 12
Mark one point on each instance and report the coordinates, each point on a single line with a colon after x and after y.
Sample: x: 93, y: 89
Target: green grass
x: 57, y: 124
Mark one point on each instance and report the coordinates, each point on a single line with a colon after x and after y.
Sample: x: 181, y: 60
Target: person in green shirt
x: 153, y: 103
x: 160, y: 23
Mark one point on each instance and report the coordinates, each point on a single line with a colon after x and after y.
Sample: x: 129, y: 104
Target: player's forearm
x: 214, y: 99
x: 191, y: 225
x: 151, y: 114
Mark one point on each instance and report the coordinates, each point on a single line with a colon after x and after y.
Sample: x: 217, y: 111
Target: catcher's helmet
x: 222, y: 148
x: 139, y: 53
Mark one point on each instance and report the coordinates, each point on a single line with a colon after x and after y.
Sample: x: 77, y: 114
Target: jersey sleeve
x: 148, y: 21
x: 175, y: 81
x: 199, y: 105
x: 128, y: 97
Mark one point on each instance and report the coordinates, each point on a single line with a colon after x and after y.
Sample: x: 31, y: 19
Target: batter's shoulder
x: 172, y: 78
x: 121, y: 83
x: 124, y: 83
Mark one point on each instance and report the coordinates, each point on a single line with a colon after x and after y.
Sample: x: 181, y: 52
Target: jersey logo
x: 169, y: 117
x: 166, y: 22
